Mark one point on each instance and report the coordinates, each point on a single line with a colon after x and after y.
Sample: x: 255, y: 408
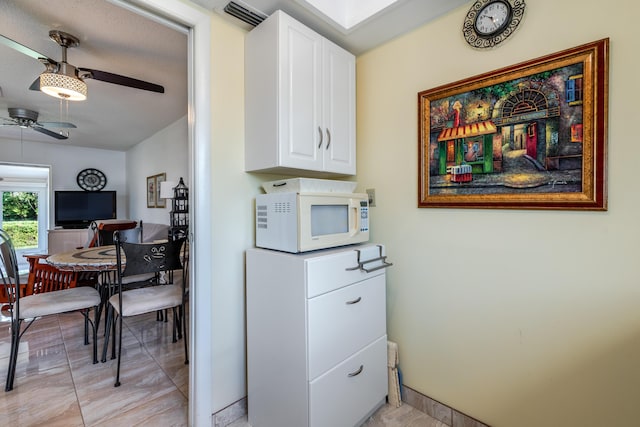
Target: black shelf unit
x: 179, y: 214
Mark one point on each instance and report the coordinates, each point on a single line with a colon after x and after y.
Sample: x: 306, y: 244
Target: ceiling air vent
x: 243, y: 13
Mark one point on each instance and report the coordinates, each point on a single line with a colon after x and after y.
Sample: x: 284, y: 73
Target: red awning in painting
x: 466, y: 131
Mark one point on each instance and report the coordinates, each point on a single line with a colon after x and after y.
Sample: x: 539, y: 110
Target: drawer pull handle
x: 355, y: 301
x: 320, y: 132
x: 356, y: 373
x: 361, y: 264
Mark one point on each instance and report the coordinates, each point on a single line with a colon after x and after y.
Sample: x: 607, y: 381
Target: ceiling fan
x: 28, y: 119
x: 65, y: 81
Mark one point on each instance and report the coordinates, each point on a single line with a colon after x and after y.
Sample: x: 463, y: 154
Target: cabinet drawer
x: 333, y: 271
x: 345, y: 394
x: 344, y: 321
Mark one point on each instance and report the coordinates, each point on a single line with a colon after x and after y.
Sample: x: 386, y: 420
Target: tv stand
x: 65, y: 240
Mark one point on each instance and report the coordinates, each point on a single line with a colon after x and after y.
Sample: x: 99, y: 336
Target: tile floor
x: 387, y: 416
x: 57, y: 385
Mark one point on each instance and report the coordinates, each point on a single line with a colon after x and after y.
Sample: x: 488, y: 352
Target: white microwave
x: 295, y: 222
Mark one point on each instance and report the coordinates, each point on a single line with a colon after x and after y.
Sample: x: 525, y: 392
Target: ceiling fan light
x: 63, y: 86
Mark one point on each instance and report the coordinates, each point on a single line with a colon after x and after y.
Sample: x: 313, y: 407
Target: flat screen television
x: 76, y: 209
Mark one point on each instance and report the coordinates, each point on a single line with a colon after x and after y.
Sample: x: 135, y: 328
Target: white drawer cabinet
x: 63, y: 240
x: 316, y: 338
x: 299, y: 101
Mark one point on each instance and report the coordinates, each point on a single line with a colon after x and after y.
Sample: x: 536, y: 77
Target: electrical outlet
x: 371, y: 192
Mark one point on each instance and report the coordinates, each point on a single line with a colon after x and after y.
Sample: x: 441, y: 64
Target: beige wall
x: 231, y: 192
x: 537, y: 321
x: 232, y: 198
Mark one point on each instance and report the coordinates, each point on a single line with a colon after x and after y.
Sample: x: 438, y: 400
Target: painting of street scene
x: 524, y: 134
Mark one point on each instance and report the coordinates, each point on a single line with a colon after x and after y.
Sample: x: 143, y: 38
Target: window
x: 24, y: 208
x: 573, y: 89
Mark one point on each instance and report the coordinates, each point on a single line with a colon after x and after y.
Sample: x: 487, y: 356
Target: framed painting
x: 160, y: 202
x: 528, y: 136
x: 151, y: 191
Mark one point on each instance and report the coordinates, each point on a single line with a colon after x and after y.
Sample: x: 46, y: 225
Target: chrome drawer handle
x: 355, y: 301
x: 356, y: 373
x: 328, y: 139
x: 320, y: 132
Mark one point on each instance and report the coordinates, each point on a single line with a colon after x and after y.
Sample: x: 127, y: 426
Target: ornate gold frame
x: 563, y: 131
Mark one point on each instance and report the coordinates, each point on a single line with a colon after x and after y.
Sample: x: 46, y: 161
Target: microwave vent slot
x: 282, y: 207
x: 261, y: 216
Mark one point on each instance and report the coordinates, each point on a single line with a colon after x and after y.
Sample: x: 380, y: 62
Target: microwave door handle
x: 353, y: 208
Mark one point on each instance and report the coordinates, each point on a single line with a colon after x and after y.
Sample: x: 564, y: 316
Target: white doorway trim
x: 198, y: 21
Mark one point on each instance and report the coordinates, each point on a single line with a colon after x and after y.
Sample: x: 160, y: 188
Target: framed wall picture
x: 160, y: 202
x: 529, y: 136
x: 151, y: 191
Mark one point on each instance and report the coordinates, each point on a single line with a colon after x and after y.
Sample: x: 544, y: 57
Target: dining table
x: 100, y: 258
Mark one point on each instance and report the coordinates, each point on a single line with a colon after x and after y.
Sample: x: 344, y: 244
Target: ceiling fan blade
x: 59, y: 125
x: 121, y: 80
x: 49, y: 133
x: 25, y: 50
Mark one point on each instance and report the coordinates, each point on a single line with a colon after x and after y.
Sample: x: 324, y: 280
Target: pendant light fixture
x: 62, y: 81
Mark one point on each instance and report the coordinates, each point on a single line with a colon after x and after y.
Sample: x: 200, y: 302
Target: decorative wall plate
x: 490, y: 22
x: 91, y: 180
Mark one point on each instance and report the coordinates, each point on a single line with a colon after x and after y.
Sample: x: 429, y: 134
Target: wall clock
x: 91, y: 180
x: 490, y: 22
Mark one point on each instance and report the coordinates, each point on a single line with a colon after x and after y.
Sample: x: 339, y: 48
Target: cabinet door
x: 339, y: 109
x: 300, y: 96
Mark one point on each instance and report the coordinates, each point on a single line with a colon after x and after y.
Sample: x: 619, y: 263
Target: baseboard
x: 437, y: 410
x: 231, y: 413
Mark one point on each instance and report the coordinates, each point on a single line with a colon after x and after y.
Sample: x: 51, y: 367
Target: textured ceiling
x: 112, y: 39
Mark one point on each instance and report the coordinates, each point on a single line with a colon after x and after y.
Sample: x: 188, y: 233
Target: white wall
x: 535, y: 322
x: 66, y: 162
x: 165, y: 152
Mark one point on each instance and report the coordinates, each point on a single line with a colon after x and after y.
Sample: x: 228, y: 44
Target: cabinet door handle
x: 328, y: 139
x: 355, y: 301
x: 356, y: 373
x: 320, y: 132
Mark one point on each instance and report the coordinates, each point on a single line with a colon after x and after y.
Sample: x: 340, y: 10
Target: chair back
x: 132, y: 235
x: 9, y: 275
x: 103, y: 231
x: 47, y: 278
x: 142, y: 258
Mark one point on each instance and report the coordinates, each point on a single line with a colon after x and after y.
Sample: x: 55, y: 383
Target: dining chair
x: 140, y: 258
x: 101, y: 231
x: 43, y: 297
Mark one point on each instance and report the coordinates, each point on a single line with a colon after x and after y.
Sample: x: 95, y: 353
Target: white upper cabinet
x: 299, y: 101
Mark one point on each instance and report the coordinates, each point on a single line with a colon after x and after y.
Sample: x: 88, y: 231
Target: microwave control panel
x: 364, y: 216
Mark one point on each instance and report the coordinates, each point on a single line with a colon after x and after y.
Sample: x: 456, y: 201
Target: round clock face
x: 490, y: 22
x: 492, y: 18
x: 91, y: 180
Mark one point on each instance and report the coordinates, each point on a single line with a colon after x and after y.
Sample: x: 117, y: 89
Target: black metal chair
x: 102, y: 232
x: 39, y: 301
x: 142, y: 258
